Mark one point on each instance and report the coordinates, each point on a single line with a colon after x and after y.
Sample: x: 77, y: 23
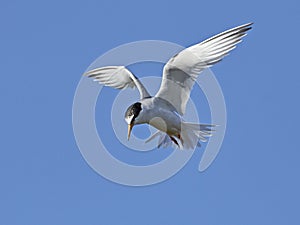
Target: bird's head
x: 132, y: 116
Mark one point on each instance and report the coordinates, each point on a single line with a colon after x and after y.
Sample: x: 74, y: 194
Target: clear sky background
x: 46, y: 46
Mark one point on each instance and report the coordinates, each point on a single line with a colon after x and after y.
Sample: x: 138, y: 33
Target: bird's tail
x: 191, y: 135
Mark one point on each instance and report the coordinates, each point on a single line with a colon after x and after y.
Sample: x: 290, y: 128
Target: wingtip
x: 90, y: 73
x: 245, y: 27
x: 87, y: 73
x: 249, y: 25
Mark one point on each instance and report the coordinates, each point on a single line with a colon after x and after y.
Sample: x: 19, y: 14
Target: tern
x: 165, y: 110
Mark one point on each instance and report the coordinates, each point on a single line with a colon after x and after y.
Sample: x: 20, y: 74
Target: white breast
x: 161, y: 116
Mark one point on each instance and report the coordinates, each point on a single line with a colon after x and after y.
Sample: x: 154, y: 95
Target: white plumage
x: 164, y: 111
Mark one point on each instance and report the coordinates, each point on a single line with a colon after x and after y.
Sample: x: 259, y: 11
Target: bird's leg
x: 179, y: 137
x: 174, y: 140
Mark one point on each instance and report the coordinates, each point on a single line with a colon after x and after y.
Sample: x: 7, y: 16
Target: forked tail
x: 191, y: 135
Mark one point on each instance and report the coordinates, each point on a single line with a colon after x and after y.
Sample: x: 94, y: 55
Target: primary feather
x: 117, y: 77
x: 182, y: 70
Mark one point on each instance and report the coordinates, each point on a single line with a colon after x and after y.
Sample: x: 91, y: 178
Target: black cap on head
x: 133, y: 111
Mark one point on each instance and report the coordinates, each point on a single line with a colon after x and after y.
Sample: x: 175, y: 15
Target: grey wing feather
x: 117, y: 77
x: 182, y: 70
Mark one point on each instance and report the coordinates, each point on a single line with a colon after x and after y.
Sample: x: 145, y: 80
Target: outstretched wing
x: 182, y: 70
x: 117, y: 77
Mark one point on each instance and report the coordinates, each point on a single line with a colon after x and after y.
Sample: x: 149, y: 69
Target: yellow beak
x: 129, y: 130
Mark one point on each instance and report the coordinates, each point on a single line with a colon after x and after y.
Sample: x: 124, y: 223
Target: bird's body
x: 165, y: 110
x: 164, y: 118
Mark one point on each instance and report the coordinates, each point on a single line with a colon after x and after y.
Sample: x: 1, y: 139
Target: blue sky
x: 46, y: 46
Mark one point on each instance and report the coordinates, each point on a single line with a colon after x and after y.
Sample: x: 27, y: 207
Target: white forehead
x: 128, y: 119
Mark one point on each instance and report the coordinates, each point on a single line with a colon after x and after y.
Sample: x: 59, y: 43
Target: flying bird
x: 166, y: 108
